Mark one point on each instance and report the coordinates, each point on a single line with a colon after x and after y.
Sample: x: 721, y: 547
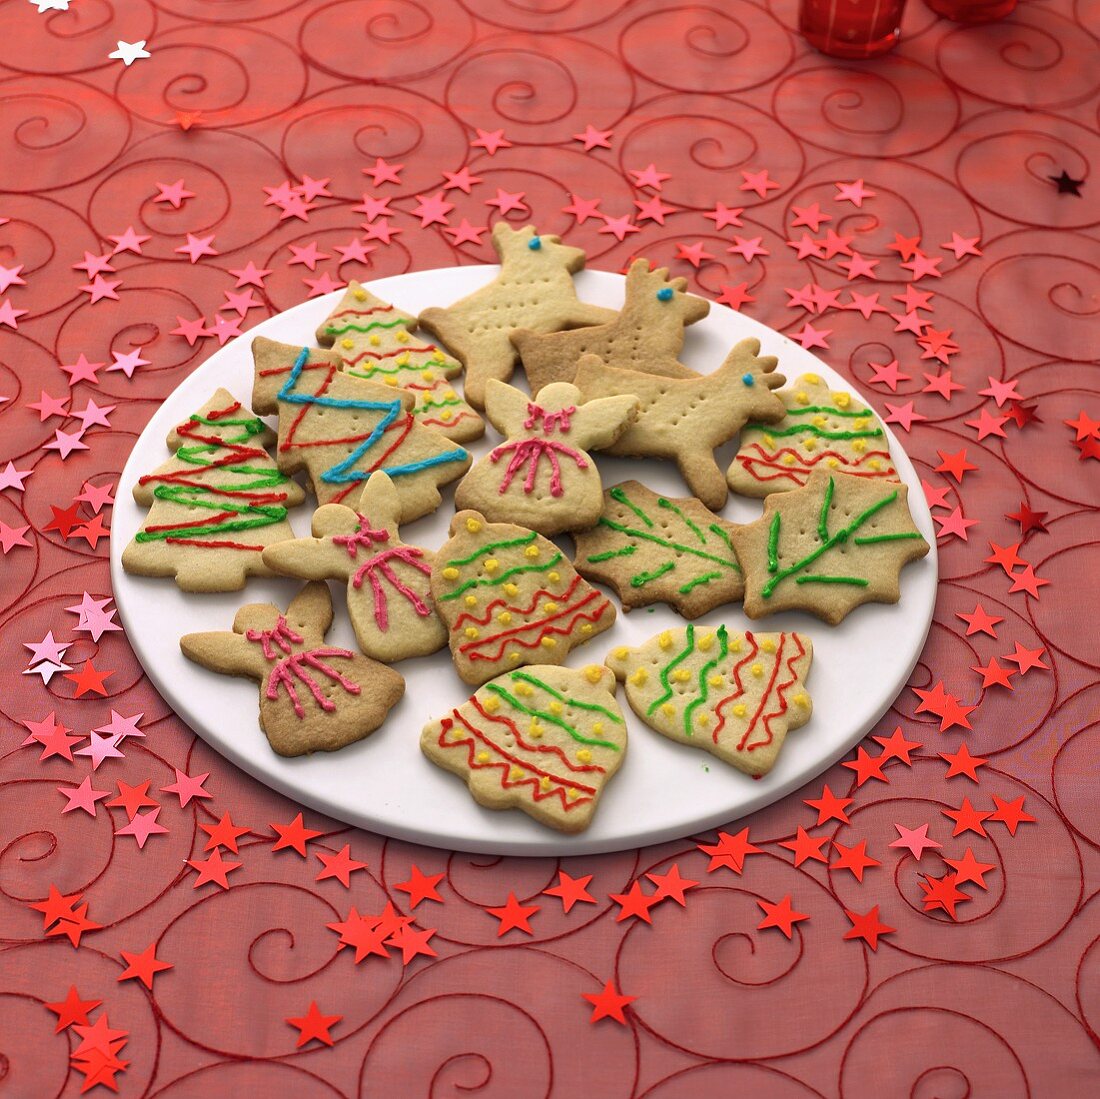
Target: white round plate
x: 383, y: 783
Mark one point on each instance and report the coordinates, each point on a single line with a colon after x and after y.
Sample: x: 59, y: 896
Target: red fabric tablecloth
x: 962, y: 135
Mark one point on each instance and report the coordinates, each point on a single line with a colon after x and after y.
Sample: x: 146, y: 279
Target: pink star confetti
x: 652, y: 209
x: 649, y: 177
x: 187, y: 787
x: 129, y: 241
x: 65, y: 442
x: 854, y: 193
x: 82, y: 796
x: 93, y: 616
x: 902, y: 415
x: 383, y: 172
x: 308, y: 256
x: 491, y: 141
x: 127, y: 363
x: 619, y: 226
x: 175, y: 194
x: 10, y: 537
x: 98, y: 289
x: 506, y: 201
x: 143, y: 826
x: 915, y: 840
x: 962, y: 246
x: 695, y: 254
x: 809, y: 336
x: 583, y: 208
x: 760, y: 182
x: 82, y: 371
x: 723, y: 215
x: 465, y: 233
x: 10, y: 477
x: 197, y: 247
x: 748, y: 248
x: 250, y: 275
x: 100, y: 748
x: 594, y: 139
x: 888, y: 375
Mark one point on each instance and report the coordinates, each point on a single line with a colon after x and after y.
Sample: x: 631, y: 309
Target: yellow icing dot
x: 525, y: 690
x: 473, y: 525
x: 505, y: 617
x: 810, y: 443
x: 715, y: 681
x: 531, y: 551
x: 665, y: 640
x: 513, y: 658
x: 811, y: 379
x: 483, y: 757
x: 450, y: 573
x: 470, y: 600
x: 549, y: 642
x: 516, y: 773
x: 819, y: 421
x: 703, y: 719
x: 859, y: 445
x: 788, y: 459
x: 706, y: 642
x: 549, y: 607
x: 445, y: 414
x: 374, y: 339
x: 668, y: 709
x: 491, y: 704
x: 573, y: 793
x: 681, y: 675
x: 802, y: 397
x: 471, y: 632
x: 767, y: 645
x: 553, y: 577
x: 427, y: 375
x: 535, y: 729
x: 758, y: 670
x: 511, y: 589
x: 359, y: 295
x: 735, y: 644
x: 449, y: 394
x: 347, y: 344
x: 390, y: 380
x: 620, y: 652
x: 401, y: 336
x: 597, y: 728
x: 769, y: 440
x: 842, y: 400
x: 490, y: 564
x: 586, y: 628
x: 639, y: 677
x: 832, y: 463
x: 874, y: 463
x: 555, y: 707
x: 544, y: 783
x: 594, y: 673
x: 584, y: 756
x: 402, y: 359
x: 861, y: 425
x: 801, y: 699
x: 740, y: 709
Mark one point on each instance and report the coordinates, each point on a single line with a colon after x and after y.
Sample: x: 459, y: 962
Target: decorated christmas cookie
x: 646, y: 336
x: 341, y: 429
x: 510, y: 597
x: 823, y: 428
x: 684, y: 419
x: 541, y: 477
x: 653, y: 549
x: 839, y: 541
x: 543, y: 739
x: 215, y: 505
x: 374, y: 341
x: 313, y: 697
x: 389, y: 601
x: 734, y: 695
x: 533, y: 290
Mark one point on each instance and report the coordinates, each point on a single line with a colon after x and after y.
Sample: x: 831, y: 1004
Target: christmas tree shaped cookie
x: 341, y: 429
x: 653, y: 549
x: 313, y: 697
x: 646, y: 336
x: 685, y: 419
x: 509, y: 597
x: 541, y: 477
x: 543, y: 739
x: 389, y: 602
x: 533, y: 290
x: 837, y: 542
x: 823, y: 428
x: 374, y: 341
x: 215, y: 505
x: 734, y: 695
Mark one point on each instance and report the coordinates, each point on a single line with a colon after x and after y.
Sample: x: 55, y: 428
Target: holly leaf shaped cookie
x: 839, y: 541
x: 543, y: 739
x: 389, y: 602
x: 685, y: 419
x: 541, y: 476
x: 313, y: 696
x: 822, y: 428
x: 533, y: 290
x: 656, y: 549
x: 509, y: 597
x: 735, y: 695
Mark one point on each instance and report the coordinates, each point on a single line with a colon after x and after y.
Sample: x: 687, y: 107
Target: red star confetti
x: 854, y: 859
x: 1085, y: 426
x: 994, y: 675
x: 175, y: 194
x: 421, y: 887
x: 695, y: 254
x: 986, y: 424
x: 671, y: 885
x: 314, y: 1026
x: 921, y: 266
x: 942, y: 384
x: 906, y: 247
x: 966, y: 818
x: 191, y: 330
x: 729, y: 852
x: 11, y: 477
x: 506, y: 201
x: 865, y: 304
x: 915, y: 840
x: 213, y: 869
x: 829, y: 806
x: 1005, y: 556
x: 72, y: 1010
x: 223, y: 834
x: 10, y: 537
x: 866, y: 766
x: 608, y: 1003
x: 963, y: 763
x: 412, y: 941
x: 867, y: 926
x: 513, y: 916
x: 748, y: 248
x: 780, y: 915
x: 735, y: 296
x: 250, y: 275
x: 1026, y: 659
x: 9, y: 315
x: 811, y: 216
x: 571, y: 891
x: 980, y: 621
x: 1010, y: 813
x: 339, y: 865
x: 143, y: 967
x: 941, y: 893
x: 806, y: 846
x: 968, y: 868
x: 295, y: 835
x: 89, y: 680
x: 634, y: 903
x: 1025, y: 580
x: 859, y: 267
x: 1029, y: 520
x: 132, y: 798
x: 1001, y: 391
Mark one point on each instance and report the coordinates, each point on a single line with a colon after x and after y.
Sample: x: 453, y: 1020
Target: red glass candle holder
x: 851, y: 28
x: 972, y: 11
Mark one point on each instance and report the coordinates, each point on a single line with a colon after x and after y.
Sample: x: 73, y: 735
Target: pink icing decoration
x: 536, y: 414
x: 531, y: 451
x: 364, y: 536
x: 380, y: 563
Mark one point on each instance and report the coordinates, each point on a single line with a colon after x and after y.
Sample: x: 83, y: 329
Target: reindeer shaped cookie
x: 541, y: 477
x: 313, y: 697
x: 533, y: 290
x: 388, y: 591
x: 646, y: 336
x: 685, y: 419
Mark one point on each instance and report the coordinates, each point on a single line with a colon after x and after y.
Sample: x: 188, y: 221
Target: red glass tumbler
x: 851, y: 28
x: 972, y: 11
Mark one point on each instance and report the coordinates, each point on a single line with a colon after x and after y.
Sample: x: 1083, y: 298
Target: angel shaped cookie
x: 389, y: 602
x: 313, y: 697
x: 533, y: 290
x: 541, y: 477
